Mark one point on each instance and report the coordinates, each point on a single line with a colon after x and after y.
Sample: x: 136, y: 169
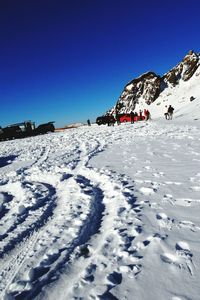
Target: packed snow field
x: 102, y: 213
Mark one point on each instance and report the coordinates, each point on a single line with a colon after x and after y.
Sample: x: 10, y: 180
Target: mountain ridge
x: 143, y: 91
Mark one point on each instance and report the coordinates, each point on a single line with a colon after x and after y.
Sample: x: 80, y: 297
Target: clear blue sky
x: 68, y: 60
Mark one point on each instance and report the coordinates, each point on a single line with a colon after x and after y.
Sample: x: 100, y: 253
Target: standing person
x: 148, y: 115
x: 110, y: 120
x: 132, y: 114
x: 166, y: 114
x: 170, y: 112
x: 192, y: 98
x: 88, y: 122
x: 140, y: 112
x: 145, y: 114
x: 118, y: 119
x: 117, y: 116
x: 136, y: 116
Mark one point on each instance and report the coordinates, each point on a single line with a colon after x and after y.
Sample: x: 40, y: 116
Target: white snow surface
x: 103, y: 212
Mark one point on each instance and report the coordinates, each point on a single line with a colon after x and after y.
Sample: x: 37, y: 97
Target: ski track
x: 59, y: 215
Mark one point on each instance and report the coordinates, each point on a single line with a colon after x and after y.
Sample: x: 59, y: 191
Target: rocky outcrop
x: 184, y: 70
x: 190, y: 65
x: 148, y: 86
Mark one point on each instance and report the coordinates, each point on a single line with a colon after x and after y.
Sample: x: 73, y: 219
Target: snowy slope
x: 103, y: 212
x: 179, y: 98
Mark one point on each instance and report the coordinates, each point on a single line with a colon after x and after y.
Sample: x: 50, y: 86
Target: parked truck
x: 24, y: 129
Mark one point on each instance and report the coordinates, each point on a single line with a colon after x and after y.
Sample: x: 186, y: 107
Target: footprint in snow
x: 90, y: 272
x: 164, y: 220
x: 141, y: 245
x: 168, y: 196
x: 170, y: 259
x: 131, y: 270
x: 158, y: 174
x: 115, y: 278
x: 147, y: 167
x: 147, y: 191
x: 154, y: 205
x: 183, y: 249
x: 181, y: 259
x: 189, y: 224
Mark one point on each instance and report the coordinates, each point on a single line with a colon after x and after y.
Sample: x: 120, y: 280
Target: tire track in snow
x: 119, y: 227
x: 5, y: 198
x: 21, y: 218
x: 27, y: 219
x: 109, y: 204
x: 20, y: 238
x: 46, y: 270
x: 85, y: 232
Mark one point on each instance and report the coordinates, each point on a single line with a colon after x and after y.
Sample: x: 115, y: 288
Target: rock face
x: 148, y: 86
x: 184, y: 70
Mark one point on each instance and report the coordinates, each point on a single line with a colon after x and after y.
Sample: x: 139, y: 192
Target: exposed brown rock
x: 149, y: 85
x: 191, y: 63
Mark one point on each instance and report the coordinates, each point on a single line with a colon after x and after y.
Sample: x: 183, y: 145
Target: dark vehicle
x: 103, y: 120
x: 44, y: 128
x: 24, y: 129
x: 19, y: 130
x: 1, y: 133
x: 11, y: 132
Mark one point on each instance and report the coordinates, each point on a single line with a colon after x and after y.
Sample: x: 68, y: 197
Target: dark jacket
x: 170, y: 109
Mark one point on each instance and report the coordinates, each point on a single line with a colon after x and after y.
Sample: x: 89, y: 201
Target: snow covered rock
x: 149, y: 86
x: 184, y: 70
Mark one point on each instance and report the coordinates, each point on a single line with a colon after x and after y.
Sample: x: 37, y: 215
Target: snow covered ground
x: 102, y: 213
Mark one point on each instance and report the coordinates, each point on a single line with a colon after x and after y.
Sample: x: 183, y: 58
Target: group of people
x: 140, y: 116
x: 169, y: 113
x: 134, y: 116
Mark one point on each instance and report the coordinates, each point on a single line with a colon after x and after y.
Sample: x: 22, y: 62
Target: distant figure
x: 136, y: 118
x: 140, y: 114
x: 88, y: 122
x: 166, y: 115
x: 146, y: 114
x: 110, y: 120
x: 132, y: 114
x: 117, y: 117
x: 192, y: 98
x: 170, y: 112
